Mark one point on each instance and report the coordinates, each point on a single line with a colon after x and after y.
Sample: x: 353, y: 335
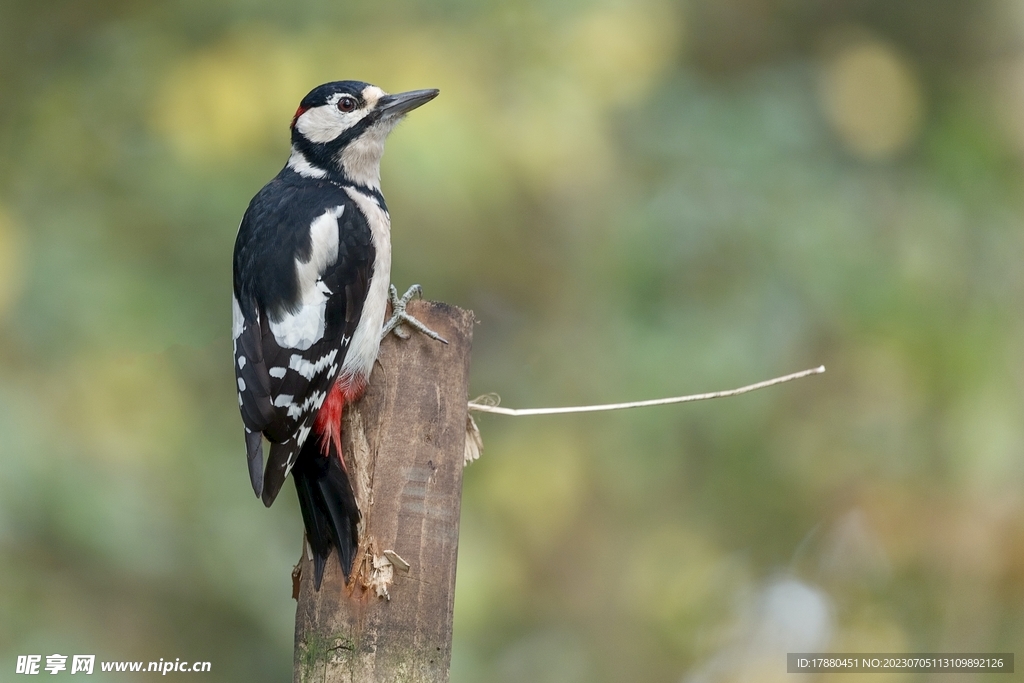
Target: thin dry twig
x: 494, y: 408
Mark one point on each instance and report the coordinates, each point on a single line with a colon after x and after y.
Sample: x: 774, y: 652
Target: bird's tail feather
x: 328, y: 506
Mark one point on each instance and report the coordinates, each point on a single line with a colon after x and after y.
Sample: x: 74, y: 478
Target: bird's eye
x: 346, y: 104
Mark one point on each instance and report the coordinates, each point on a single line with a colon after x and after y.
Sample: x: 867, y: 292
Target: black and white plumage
x: 312, y: 268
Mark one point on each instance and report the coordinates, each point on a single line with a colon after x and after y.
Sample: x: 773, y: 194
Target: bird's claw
x: 400, y: 318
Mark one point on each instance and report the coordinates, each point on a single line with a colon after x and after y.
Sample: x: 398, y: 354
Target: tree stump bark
x: 404, y: 448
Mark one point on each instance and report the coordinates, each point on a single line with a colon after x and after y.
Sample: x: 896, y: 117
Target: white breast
x: 362, y: 351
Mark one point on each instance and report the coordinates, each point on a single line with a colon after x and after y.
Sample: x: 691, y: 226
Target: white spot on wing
x: 291, y: 457
x: 241, y: 384
x: 312, y: 402
x: 300, y: 439
x: 282, y: 400
x: 278, y: 373
x: 308, y: 369
x: 241, y: 362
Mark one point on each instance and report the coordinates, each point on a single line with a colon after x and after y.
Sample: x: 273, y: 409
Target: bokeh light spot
x: 537, y: 484
x: 871, y: 97
x: 619, y: 52
x: 1009, y: 101
x: 125, y: 409
x: 12, y: 262
x: 219, y: 104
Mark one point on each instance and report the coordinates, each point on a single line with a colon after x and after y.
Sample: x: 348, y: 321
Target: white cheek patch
x: 324, y: 123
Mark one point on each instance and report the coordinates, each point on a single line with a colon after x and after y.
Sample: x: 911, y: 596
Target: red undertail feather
x: 328, y: 421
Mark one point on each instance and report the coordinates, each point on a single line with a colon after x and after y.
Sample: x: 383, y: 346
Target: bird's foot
x: 400, y: 318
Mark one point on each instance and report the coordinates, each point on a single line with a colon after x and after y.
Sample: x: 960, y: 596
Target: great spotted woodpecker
x: 312, y: 268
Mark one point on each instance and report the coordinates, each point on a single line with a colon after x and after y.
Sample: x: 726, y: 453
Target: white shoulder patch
x: 305, y: 327
x: 323, y: 235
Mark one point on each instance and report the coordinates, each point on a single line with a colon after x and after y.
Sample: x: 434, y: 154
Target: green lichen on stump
x: 317, y: 651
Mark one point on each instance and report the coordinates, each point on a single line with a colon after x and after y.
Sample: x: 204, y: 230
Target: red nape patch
x: 328, y: 420
x: 298, y: 112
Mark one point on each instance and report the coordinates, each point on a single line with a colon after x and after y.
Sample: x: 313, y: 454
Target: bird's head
x: 340, y: 128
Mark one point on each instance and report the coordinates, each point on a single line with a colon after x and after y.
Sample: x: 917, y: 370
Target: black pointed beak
x: 404, y: 102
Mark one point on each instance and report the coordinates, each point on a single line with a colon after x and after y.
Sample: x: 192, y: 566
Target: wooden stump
x: 404, y: 446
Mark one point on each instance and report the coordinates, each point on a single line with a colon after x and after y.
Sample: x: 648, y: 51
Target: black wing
x: 283, y: 381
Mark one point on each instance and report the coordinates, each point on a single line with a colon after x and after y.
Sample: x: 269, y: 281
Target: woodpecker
x: 312, y: 269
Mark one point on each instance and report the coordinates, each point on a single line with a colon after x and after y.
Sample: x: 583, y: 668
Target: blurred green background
x: 638, y: 199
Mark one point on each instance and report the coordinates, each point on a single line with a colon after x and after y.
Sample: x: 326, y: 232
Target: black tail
x: 328, y: 506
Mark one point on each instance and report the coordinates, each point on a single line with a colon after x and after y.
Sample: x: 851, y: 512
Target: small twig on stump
x: 477, y: 406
